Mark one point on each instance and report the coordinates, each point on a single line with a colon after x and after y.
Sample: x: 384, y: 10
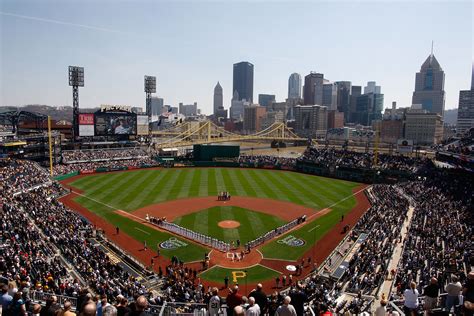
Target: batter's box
x: 233, y: 256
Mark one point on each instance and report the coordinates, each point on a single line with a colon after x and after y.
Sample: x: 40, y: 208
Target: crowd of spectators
x: 329, y: 156
x: 74, y: 156
x: 18, y: 175
x: 263, y: 160
x: 438, y: 249
x: 382, y: 223
x: 60, y: 169
x: 47, y: 247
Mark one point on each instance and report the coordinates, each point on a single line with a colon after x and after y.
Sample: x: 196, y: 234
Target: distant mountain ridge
x: 57, y: 113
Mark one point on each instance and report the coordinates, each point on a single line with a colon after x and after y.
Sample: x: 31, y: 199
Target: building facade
x: 368, y: 108
x: 343, y: 97
x: 313, y: 89
x: 266, y: 99
x: 422, y: 126
x: 218, y: 98
x: 330, y: 96
x: 253, y: 115
x: 310, y: 120
x: 271, y: 118
x: 335, y: 119
x: 372, y: 88
x: 294, y: 86
x: 243, y: 81
x: 429, y: 87
x: 465, y: 119
x: 156, y: 107
x: 391, y: 130
x: 188, y: 109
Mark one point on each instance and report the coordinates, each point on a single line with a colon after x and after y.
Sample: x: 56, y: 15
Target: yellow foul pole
x: 50, y: 147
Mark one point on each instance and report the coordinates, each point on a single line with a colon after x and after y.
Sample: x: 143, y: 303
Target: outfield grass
x: 252, y: 224
x: 255, y: 274
x: 128, y: 191
x: 310, y: 233
x: 140, y: 232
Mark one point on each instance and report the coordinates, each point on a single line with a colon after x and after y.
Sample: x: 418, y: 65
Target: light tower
x: 150, y: 87
x: 76, y: 80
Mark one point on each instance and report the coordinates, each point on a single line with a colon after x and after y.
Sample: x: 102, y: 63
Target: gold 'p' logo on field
x: 238, y: 275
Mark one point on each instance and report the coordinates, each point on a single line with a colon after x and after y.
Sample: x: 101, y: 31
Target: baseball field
x: 261, y: 201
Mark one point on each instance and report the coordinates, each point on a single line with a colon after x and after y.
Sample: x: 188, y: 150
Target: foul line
x: 309, y: 231
x: 99, y: 202
x: 340, y: 201
x: 142, y: 230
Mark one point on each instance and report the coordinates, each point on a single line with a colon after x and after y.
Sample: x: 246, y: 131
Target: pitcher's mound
x: 228, y: 224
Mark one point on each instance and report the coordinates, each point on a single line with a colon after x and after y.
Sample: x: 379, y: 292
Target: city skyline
x: 118, y: 48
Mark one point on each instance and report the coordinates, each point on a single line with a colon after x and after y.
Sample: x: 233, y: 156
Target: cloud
x: 89, y: 27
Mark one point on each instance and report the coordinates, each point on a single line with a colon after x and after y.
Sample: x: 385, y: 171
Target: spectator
x: 17, y: 306
x: 6, y: 298
x: 238, y: 311
x: 453, y: 290
x: 431, y: 293
x: 286, y: 309
x: 234, y: 298
x: 468, y: 292
x: 381, y: 310
x: 214, y: 306
x: 411, y: 300
x: 299, y: 298
x: 260, y: 297
x: 253, y: 309
x: 90, y: 309
x: 36, y: 310
x: 67, y: 309
x: 141, y: 304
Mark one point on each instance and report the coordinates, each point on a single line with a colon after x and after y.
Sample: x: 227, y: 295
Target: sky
x: 190, y: 45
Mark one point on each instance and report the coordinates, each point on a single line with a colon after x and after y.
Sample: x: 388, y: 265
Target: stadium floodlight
x: 76, y: 80
x: 150, y: 87
x: 150, y: 84
x: 76, y: 76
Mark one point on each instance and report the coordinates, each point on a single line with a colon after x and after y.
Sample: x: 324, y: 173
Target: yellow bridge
x: 192, y: 133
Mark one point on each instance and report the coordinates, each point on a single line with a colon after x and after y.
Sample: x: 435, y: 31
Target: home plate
x: 291, y: 268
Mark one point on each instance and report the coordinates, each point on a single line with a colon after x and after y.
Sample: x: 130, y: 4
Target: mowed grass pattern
x: 252, y: 224
x: 129, y: 191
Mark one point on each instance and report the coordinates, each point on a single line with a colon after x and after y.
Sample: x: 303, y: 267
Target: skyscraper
x: 156, y: 107
x: 218, y: 98
x: 294, y: 86
x: 266, y: 99
x: 466, y: 108
x: 313, y: 88
x: 372, y: 88
x: 343, y: 97
x: 311, y: 120
x: 243, y: 80
x: 369, y: 107
x: 429, y: 86
x: 330, y: 96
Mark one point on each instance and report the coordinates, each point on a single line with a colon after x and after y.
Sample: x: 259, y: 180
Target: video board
x: 115, y: 123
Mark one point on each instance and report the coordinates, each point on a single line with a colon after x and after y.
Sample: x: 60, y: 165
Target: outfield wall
x: 344, y: 173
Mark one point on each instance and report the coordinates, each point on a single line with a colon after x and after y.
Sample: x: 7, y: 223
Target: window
x: 429, y: 80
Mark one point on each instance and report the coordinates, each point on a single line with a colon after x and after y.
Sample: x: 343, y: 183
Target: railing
x: 275, y: 232
x: 42, y: 297
x: 189, y: 234
x: 189, y: 309
x: 440, y: 306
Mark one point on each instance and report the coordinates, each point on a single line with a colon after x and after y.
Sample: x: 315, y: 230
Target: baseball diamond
x: 290, y: 211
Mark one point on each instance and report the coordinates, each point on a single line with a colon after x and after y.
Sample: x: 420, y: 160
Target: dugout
x: 211, y: 152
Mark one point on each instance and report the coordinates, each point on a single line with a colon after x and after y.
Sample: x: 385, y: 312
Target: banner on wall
x: 86, y: 124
